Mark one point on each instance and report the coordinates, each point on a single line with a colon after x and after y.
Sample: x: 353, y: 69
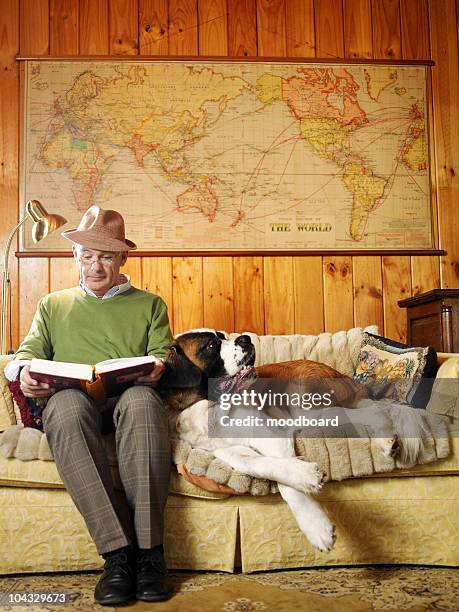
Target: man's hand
x: 155, y: 374
x: 31, y: 387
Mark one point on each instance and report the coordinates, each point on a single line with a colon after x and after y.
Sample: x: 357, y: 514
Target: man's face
x: 99, y: 270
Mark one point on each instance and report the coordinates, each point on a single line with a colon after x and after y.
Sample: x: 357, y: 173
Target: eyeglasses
x: 106, y: 260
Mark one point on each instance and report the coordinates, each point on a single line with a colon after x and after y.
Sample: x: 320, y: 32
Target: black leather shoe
x: 153, y: 581
x: 117, y: 583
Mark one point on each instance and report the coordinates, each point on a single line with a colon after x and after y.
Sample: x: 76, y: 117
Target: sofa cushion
x: 408, y: 371
x: 44, y: 475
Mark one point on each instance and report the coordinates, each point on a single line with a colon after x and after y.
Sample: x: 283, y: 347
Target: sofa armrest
x: 444, y: 398
x: 7, y: 416
x: 442, y: 357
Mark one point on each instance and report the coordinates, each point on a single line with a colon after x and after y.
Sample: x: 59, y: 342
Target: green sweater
x: 72, y: 326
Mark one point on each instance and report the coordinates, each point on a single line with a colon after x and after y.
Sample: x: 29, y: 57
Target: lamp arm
x: 6, y: 315
x: 9, y: 241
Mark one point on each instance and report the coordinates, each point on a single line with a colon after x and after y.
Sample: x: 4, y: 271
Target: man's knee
x: 139, y: 395
x: 141, y: 400
x: 66, y: 407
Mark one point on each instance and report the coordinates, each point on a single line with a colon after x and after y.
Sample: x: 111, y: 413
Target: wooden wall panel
x: 218, y: 307
x: 33, y: 273
x: 386, y: 29
x: 183, y: 30
x: 63, y: 273
x: 187, y: 293
x: 338, y: 303
x: 368, y: 297
x: 217, y: 276
x: 300, y: 37
x: 396, y: 286
x: 309, y: 295
x: 248, y: 301
x: 425, y: 274
x: 64, y: 37
x: 157, y: 278
x: 242, y: 28
x: 153, y: 27
x: 415, y: 29
x: 358, y: 41
x: 218, y: 292
x: 249, y: 312
x: 34, y: 283
x: 271, y: 27
x: 9, y: 113
x: 213, y: 30
x: 279, y: 295
x: 94, y: 36
x: 124, y: 27
x: 445, y: 77
x: 133, y: 267
x: 425, y: 271
x: 329, y: 29
x: 34, y: 27
x: 367, y: 273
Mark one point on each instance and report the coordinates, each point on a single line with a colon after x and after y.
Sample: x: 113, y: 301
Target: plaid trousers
x: 74, y: 426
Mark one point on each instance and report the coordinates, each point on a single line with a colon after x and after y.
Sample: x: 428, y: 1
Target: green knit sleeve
x: 37, y: 343
x: 159, y: 333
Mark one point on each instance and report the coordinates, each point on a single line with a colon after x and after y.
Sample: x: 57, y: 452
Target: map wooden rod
x: 261, y: 253
x: 223, y: 59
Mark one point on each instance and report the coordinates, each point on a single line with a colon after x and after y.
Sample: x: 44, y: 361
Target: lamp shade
x: 44, y: 223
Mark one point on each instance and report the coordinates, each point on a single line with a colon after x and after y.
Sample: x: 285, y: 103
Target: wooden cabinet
x: 433, y: 319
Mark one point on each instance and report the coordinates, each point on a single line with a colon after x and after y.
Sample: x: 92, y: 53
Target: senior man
x: 104, y: 318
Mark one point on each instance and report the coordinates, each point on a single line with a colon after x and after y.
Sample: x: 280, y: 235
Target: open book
x: 105, y: 379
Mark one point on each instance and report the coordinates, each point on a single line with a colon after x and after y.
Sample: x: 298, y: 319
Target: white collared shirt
x: 124, y: 283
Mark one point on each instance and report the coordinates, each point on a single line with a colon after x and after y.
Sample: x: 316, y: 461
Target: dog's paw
x: 312, y: 478
x: 390, y: 447
x: 323, y: 536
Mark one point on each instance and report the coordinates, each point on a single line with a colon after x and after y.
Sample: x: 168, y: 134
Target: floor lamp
x: 43, y: 224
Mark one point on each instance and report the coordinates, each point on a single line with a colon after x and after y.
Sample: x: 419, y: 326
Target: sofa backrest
x: 339, y: 350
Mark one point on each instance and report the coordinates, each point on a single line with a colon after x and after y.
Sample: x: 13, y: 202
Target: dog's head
x: 201, y: 354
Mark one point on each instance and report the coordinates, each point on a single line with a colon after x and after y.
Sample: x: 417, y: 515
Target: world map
x: 232, y: 156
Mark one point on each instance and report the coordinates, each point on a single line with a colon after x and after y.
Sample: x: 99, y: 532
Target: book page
x: 78, y: 371
x: 120, y: 363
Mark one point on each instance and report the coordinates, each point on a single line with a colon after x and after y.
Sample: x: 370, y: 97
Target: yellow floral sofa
x: 408, y: 516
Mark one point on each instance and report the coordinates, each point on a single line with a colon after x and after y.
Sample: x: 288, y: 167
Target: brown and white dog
x: 199, y: 355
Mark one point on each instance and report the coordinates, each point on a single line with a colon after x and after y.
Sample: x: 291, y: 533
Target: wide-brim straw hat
x: 102, y: 230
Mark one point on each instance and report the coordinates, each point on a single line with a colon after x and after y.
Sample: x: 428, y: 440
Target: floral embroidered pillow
x: 406, y: 372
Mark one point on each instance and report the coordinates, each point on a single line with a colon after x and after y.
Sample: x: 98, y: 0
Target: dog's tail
x: 411, y: 427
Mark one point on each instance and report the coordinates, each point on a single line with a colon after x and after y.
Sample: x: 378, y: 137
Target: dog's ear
x: 180, y: 373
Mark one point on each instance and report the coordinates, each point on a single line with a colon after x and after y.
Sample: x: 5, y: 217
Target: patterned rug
x: 330, y: 590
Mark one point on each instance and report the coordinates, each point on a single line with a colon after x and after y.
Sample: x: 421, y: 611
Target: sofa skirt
x: 42, y: 531
x: 379, y: 521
